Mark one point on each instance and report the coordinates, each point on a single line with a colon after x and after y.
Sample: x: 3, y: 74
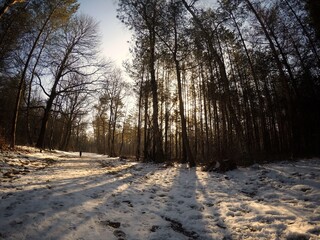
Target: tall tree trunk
x: 185, y: 140
x: 104, y: 135
x: 166, y: 121
x: 223, y: 74
x: 146, y: 129
x: 306, y: 32
x: 139, y: 121
x: 112, y: 149
x: 195, y: 118
x: 157, y: 151
x: 283, y: 79
x: 187, y: 154
x: 204, y: 94
x: 256, y: 84
x: 111, y: 115
x: 53, y: 94
x: 122, y: 139
x: 22, y: 80
x: 30, y: 139
x: 44, y: 122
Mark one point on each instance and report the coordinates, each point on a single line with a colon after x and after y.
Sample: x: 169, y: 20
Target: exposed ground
x: 58, y: 195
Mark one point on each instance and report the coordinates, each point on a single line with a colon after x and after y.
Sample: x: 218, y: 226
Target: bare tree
x: 143, y: 16
x: 52, y: 14
x: 74, y: 53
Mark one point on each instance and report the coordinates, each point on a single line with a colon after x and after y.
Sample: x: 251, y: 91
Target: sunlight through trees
x: 220, y: 83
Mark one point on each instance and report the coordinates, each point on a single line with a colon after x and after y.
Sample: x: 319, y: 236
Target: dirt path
x: 62, y: 196
x: 61, y: 200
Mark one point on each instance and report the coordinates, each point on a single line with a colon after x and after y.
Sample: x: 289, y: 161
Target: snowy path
x: 98, y: 198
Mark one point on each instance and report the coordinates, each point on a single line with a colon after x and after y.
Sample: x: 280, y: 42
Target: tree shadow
x: 40, y: 210
x: 145, y: 201
x: 277, y: 199
x: 169, y: 204
x: 194, y: 208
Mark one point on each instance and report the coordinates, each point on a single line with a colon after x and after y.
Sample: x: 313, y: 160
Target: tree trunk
x: 226, y: 98
x: 44, y: 122
x: 22, y: 80
x: 139, y: 122
x: 186, y: 150
x: 112, y: 149
x: 53, y: 94
x: 146, y: 129
x: 284, y: 83
x: 185, y: 141
x: 256, y: 84
x: 157, y: 151
x: 111, y: 115
x: 122, y: 139
x: 312, y: 44
x: 30, y: 138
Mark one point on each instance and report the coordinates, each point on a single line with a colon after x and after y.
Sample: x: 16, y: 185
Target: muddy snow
x: 58, y: 195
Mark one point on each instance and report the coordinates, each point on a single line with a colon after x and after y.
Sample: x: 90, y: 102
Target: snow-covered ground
x: 61, y: 196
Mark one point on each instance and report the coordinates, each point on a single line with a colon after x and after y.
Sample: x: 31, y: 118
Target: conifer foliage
x: 227, y: 81
x: 221, y: 83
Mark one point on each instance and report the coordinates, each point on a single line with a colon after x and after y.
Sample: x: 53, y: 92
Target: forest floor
x: 58, y: 195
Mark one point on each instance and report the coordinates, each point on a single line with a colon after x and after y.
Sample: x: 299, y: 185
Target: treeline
x: 113, y: 124
x: 51, y: 74
x: 235, y: 80
x: 214, y: 81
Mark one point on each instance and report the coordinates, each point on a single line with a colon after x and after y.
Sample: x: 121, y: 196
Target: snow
x: 58, y: 195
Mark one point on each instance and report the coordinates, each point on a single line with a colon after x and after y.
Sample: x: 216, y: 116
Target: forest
x: 233, y: 82
x: 210, y: 129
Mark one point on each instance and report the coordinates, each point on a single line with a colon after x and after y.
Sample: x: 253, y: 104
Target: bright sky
x: 115, y: 35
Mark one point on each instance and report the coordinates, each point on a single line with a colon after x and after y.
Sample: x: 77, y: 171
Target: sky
x: 115, y: 35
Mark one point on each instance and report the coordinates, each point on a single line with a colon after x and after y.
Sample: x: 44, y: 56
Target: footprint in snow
x: 19, y: 221
x: 197, y: 207
x: 297, y: 236
x: 249, y: 192
x: 187, y: 196
x: 119, y: 234
x: 153, y: 190
x: 315, y: 231
x: 7, y: 214
x: 116, y: 225
x: 57, y: 205
x: 209, y: 204
x: 154, y: 228
x: 273, y: 212
x: 41, y: 214
x: 196, y: 217
x: 15, y: 223
x: 13, y: 205
x: 128, y: 202
x: 302, y: 188
x: 110, y: 223
x: 95, y: 195
x: 7, y: 195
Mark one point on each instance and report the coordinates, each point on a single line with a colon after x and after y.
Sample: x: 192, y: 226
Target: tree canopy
x: 216, y: 83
